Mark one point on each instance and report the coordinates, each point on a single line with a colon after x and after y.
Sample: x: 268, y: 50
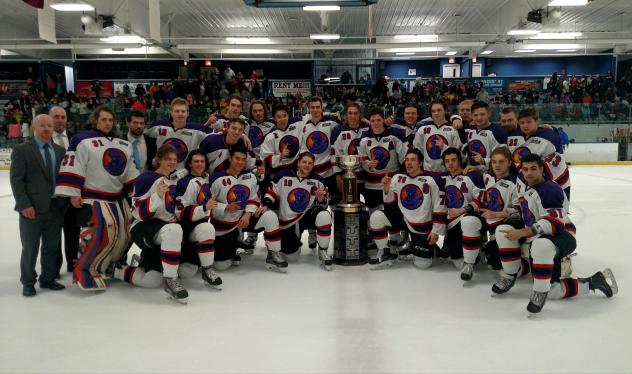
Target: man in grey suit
x: 34, y: 166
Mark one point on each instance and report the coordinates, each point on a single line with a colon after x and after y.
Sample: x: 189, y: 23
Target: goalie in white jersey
x: 300, y: 199
x: 551, y: 234
x: 412, y: 203
x: 98, y: 174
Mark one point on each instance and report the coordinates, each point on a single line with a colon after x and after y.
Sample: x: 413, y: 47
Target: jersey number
x: 226, y: 182
x: 162, y: 132
x: 69, y: 160
x: 287, y: 183
x: 97, y: 143
x: 513, y: 142
x: 553, y: 159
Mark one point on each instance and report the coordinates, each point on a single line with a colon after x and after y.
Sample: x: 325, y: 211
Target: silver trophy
x: 350, y: 218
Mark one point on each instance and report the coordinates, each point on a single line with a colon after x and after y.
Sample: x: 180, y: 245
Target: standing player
x: 301, y: 198
x: 98, y: 173
x: 216, y: 147
x: 238, y: 207
x: 281, y: 145
x: 412, y: 202
x: 542, y: 210
x: 463, y: 191
x: 176, y: 131
x: 218, y: 123
x: 436, y: 136
x: 409, y: 124
x: 483, y: 138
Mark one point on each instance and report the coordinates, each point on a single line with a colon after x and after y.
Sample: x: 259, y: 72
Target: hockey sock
x: 568, y: 287
x: 323, y: 229
x: 471, y: 227
x: 543, y: 253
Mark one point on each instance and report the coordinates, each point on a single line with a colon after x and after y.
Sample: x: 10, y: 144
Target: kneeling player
x: 238, y: 206
x: 550, y: 231
x: 412, y: 202
x: 301, y: 198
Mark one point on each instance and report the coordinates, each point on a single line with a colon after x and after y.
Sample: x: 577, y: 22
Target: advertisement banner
x: 280, y: 88
x: 493, y: 85
x: 5, y: 157
x: 13, y: 88
x: 84, y: 88
x: 522, y: 85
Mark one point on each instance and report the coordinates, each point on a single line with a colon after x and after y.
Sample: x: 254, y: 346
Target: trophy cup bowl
x: 348, y: 162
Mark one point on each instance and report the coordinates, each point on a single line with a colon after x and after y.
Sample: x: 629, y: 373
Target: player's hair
x: 94, y: 116
x: 189, y: 162
x: 305, y: 154
x: 504, y: 151
x: 466, y: 101
x: 411, y: 105
x: 376, y: 112
x: 415, y: 151
x: 452, y: 151
x: 280, y: 107
x: 265, y: 109
x: 179, y: 101
x: 533, y: 157
x: 528, y: 112
x: 236, y: 97
x: 509, y: 109
x: 164, y: 150
x: 439, y: 102
x: 134, y: 113
x: 353, y: 104
x: 479, y: 104
x: 314, y: 99
x: 237, y: 149
x: 237, y: 120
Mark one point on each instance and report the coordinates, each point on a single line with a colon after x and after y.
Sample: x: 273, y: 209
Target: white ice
x: 347, y: 320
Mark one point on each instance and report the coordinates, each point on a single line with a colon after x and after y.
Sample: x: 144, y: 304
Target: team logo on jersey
x: 435, y: 145
x: 475, y: 146
x: 238, y: 194
x: 381, y: 155
x: 352, y: 149
x: 454, y: 197
x: 202, y: 195
x: 494, y: 200
x: 289, y: 142
x: 255, y: 134
x: 519, y: 153
x: 528, y: 218
x: 170, y: 200
x: 298, y: 199
x: 180, y: 146
x: 317, y: 142
x: 411, y: 197
x: 114, y: 161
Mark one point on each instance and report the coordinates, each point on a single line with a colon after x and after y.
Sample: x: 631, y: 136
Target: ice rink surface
x: 349, y: 320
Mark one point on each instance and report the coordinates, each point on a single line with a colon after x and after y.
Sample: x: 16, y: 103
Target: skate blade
x: 179, y: 301
x: 468, y: 284
x: 213, y: 287
x: 326, y: 267
x: 381, y: 266
x: 276, y: 269
x: 612, y: 282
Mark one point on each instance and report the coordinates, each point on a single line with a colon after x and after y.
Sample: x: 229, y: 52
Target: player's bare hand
x: 76, y: 201
x: 365, y: 121
x: 373, y: 164
x: 321, y: 193
x: 211, y: 203
x: 247, y: 141
x: 390, y: 120
x: 212, y: 119
x: 232, y: 207
x: 515, y: 234
x: 285, y: 153
x: 262, y: 209
x: 244, y: 221
x: 469, y: 169
x: 386, y: 181
x: 455, y: 212
x: 478, y: 158
x: 162, y: 189
x: 457, y: 123
x: 433, y: 238
x: 260, y: 170
x: 28, y: 212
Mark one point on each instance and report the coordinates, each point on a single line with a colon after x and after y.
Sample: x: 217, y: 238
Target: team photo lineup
x: 194, y: 197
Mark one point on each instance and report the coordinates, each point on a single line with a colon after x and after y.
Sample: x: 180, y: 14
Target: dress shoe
x: 52, y: 286
x: 28, y: 291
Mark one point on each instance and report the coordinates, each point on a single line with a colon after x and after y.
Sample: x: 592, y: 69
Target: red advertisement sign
x: 85, y: 88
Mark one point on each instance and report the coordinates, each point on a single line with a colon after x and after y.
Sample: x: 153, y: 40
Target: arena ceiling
x: 187, y: 29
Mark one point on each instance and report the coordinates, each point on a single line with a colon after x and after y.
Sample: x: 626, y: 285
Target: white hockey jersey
x: 97, y: 167
x: 222, y: 123
x: 501, y: 194
x: 432, y: 140
x: 147, y: 204
x: 192, y: 193
x: 241, y: 189
x: 217, y: 152
x: 460, y: 190
x: 317, y: 140
x: 388, y: 148
x: 277, y: 140
x: 419, y: 199
x: 543, y: 208
x: 484, y: 142
x: 257, y: 134
x: 184, y: 140
x: 294, y: 195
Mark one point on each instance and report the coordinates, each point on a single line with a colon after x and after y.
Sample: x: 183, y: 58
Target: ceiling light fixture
x: 488, y: 52
x: 253, y: 51
x: 324, y: 36
x: 568, y: 2
x: 321, y: 8
x: 72, y: 7
x: 523, y: 32
x: 419, y: 37
x: 124, y: 39
x: 451, y: 53
x: 248, y: 40
x: 551, y: 47
x: 566, y: 50
x: 415, y: 49
x: 524, y: 50
x: 404, y: 53
x: 557, y: 35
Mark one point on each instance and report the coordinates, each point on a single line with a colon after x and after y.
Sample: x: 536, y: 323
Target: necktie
x: 136, y: 154
x: 49, y: 163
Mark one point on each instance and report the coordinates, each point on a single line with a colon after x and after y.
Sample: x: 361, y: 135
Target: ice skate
x: 566, y: 266
x: 235, y: 261
x: 402, y: 249
x: 276, y: 262
x: 467, y: 270
x: 211, y: 279
x: 325, y: 260
x: 249, y: 245
x: 175, y: 291
x: 506, y: 282
x: 603, y: 281
x: 536, y: 303
x: 135, y: 261
x: 311, y: 239
x: 382, y: 261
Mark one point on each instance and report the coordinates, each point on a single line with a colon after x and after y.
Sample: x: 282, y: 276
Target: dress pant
x: 72, y: 229
x: 44, y: 229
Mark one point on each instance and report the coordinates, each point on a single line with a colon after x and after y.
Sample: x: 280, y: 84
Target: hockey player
x: 219, y: 123
x: 216, y: 147
x: 300, y: 197
x: 463, y: 191
x: 483, y: 138
x: 238, y: 207
x: 98, y: 174
x: 410, y: 123
x: 412, y: 202
x: 281, y: 146
x: 382, y: 151
x: 176, y: 131
x: 436, y: 136
x: 547, y: 227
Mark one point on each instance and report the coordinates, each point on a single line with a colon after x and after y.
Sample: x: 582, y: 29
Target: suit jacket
x: 150, y: 144
x: 30, y: 180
